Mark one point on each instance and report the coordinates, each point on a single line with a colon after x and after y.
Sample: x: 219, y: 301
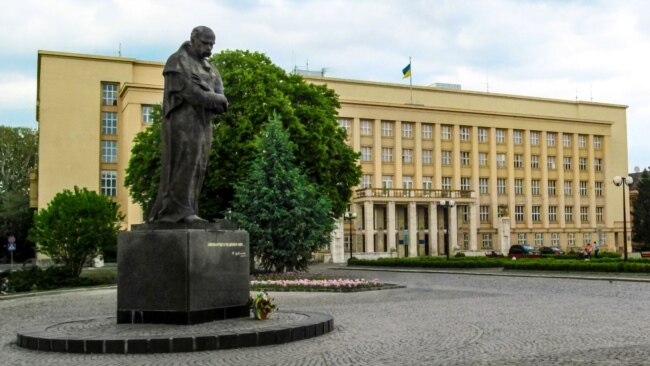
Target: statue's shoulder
x: 178, y: 60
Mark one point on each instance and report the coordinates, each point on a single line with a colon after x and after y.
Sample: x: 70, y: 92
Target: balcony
x: 422, y: 194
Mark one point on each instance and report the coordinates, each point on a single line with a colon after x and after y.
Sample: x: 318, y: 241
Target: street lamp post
x: 349, y: 215
x: 623, y: 181
x: 445, y: 214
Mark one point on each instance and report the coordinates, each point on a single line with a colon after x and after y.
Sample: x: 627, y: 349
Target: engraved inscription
x: 225, y: 245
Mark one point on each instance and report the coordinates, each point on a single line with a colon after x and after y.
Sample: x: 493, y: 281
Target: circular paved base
x: 104, y: 335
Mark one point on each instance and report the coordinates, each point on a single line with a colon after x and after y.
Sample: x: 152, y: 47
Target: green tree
x: 641, y: 217
x: 284, y: 214
x: 75, y: 227
x: 256, y: 88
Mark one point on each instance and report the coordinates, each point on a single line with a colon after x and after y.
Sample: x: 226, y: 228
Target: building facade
x: 443, y: 170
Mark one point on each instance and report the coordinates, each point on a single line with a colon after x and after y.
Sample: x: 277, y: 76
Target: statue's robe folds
x: 193, y: 94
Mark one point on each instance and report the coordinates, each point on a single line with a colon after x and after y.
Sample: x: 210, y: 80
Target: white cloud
x: 17, y: 91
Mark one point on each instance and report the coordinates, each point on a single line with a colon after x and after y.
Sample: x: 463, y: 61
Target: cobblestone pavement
x: 439, y: 319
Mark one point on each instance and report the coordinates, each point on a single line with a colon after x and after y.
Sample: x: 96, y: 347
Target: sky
x: 586, y: 50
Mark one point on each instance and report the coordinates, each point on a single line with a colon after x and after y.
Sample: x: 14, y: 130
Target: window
x: 567, y: 163
x: 599, y: 213
x: 407, y: 156
x: 550, y: 162
x: 555, y: 239
x: 552, y: 213
x: 568, y: 188
x: 519, y: 186
x: 566, y: 140
x: 446, y: 132
x: 484, y: 213
x: 586, y: 238
x: 536, y: 213
x: 446, y: 157
x: 109, y: 151
x: 482, y: 135
x: 582, y: 141
x: 109, y: 183
x: 584, y: 213
x: 465, y: 238
x: 534, y: 187
x: 518, y: 137
x: 598, y: 187
x: 519, y: 161
x: 483, y: 185
x: 550, y: 139
x: 539, y: 239
x: 465, y: 183
x: 464, y: 133
x: 147, y: 114
x: 501, y: 136
x: 427, y: 183
x: 407, y: 129
x: 427, y: 156
x: 534, y: 161
x: 109, y: 123
x: 551, y: 188
x: 521, y: 239
x: 582, y: 164
x: 597, y: 142
x: 464, y: 157
x: 446, y: 183
x: 583, y: 187
x: 343, y: 123
x: 109, y: 93
x: 571, y: 239
x: 407, y: 182
x: 366, y: 181
x: 386, y: 154
x: 598, y: 164
x: 501, y: 160
x: 386, y: 128
x: 487, y: 241
x: 366, y: 127
x: 482, y: 159
x: 427, y: 131
x: 501, y: 186
x: 534, y: 138
x: 387, y: 181
x: 519, y: 213
x: 366, y: 153
x: 568, y: 213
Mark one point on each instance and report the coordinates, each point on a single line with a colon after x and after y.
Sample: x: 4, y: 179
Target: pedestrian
x: 596, y: 248
x: 4, y: 286
x: 588, y: 250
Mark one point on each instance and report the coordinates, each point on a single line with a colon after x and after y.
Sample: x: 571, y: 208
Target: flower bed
x: 314, y: 282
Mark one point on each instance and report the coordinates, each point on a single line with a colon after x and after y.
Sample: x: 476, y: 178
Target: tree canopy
x: 285, y: 216
x: 641, y: 218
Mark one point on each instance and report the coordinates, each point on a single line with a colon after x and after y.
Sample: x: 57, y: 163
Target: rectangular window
x: 519, y: 186
x: 568, y: 214
x: 571, y: 239
x: 465, y: 183
x: 534, y: 187
x: 521, y: 239
x: 501, y: 136
x: 446, y: 132
x: 446, y: 157
x: 534, y: 138
x: 519, y: 161
x: 407, y: 156
x: 519, y: 213
x: 534, y: 161
x: 555, y: 239
x: 345, y: 124
x: 109, y: 183
x: 427, y: 183
x: 484, y: 213
x: 550, y: 139
x: 483, y: 185
x: 109, y: 123
x: 586, y: 238
x: 552, y: 213
x: 407, y: 129
x: 487, y: 241
x: 427, y: 131
x: 482, y: 159
x: 599, y: 213
x: 583, y: 187
x: 109, y: 151
x: 501, y: 186
x: 366, y: 127
x: 598, y: 187
x: 566, y: 140
x: 568, y: 188
x: 427, y: 157
x: 584, y: 213
x: 386, y: 128
x: 366, y: 153
x: 518, y: 137
x: 464, y: 158
x: 147, y: 114
x: 536, y: 213
x: 407, y: 182
x: 567, y: 163
x: 597, y: 142
x: 482, y: 135
x: 387, y: 154
x: 582, y: 164
x: 582, y: 141
x: 539, y: 239
x: 598, y: 164
x: 387, y: 181
x: 551, y: 188
x: 464, y: 133
x: 109, y: 93
x: 501, y: 160
x: 366, y: 181
x: 550, y: 162
x: 446, y: 183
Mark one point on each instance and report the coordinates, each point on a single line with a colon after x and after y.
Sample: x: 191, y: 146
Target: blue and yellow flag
x: 406, y: 72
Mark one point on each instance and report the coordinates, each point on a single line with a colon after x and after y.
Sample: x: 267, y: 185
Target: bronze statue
x: 193, y: 95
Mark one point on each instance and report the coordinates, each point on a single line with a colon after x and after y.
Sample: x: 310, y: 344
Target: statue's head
x: 202, y: 41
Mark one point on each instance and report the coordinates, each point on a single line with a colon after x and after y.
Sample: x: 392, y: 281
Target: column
x: 453, y: 229
x: 544, y: 182
x: 473, y: 226
x: 369, y: 225
x: 433, y: 229
x: 390, y: 230
x: 560, y: 180
x: 413, y: 230
x: 337, y: 248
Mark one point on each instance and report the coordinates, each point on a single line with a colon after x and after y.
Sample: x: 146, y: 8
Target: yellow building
x: 488, y: 169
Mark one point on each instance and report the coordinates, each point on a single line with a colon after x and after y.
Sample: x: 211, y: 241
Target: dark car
x: 525, y: 251
x: 551, y: 250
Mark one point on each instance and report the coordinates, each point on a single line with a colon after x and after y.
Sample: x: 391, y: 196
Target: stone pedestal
x: 182, y: 273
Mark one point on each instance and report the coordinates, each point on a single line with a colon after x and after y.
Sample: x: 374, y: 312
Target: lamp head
x: 629, y: 180
x: 618, y: 180
x: 452, y: 203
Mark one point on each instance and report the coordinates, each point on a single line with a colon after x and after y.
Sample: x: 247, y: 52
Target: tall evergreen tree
x: 641, y: 218
x: 282, y: 211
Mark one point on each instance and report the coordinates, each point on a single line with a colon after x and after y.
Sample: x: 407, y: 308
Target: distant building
x: 518, y: 169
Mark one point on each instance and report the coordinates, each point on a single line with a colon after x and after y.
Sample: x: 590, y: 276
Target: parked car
x: 551, y: 250
x: 523, y: 251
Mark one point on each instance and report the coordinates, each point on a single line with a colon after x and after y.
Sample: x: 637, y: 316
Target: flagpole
x: 411, y: 79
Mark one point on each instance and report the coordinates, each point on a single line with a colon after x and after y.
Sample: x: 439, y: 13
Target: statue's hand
x: 200, y: 83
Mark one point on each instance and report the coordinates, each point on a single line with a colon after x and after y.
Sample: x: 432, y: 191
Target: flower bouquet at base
x: 262, y: 305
